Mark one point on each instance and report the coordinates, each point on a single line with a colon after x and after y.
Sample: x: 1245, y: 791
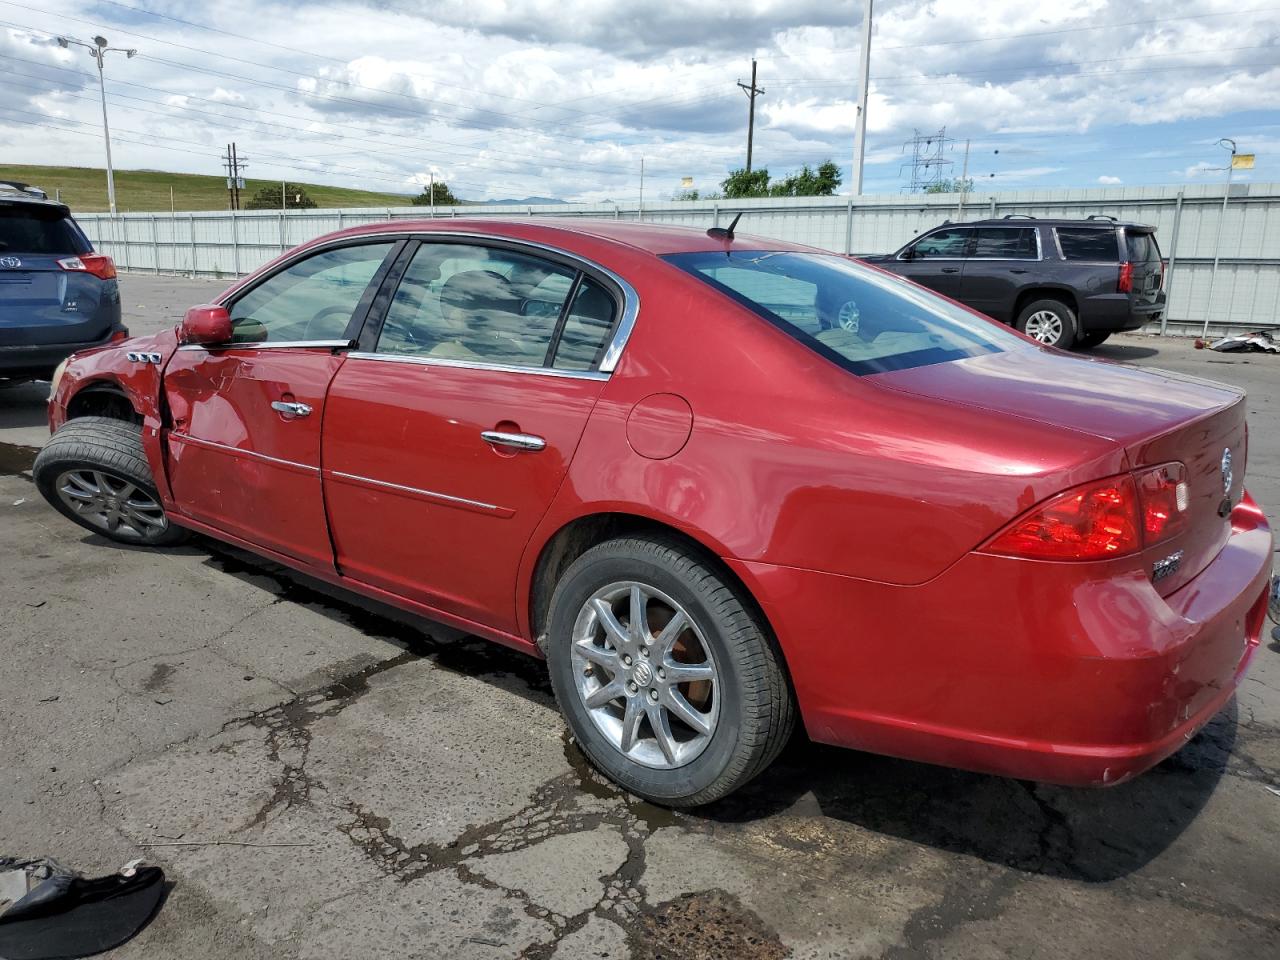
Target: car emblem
x: 11, y: 262
x: 1227, y: 476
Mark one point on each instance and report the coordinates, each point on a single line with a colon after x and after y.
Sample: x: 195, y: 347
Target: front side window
x: 479, y: 304
x: 1084, y: 244
x: 942, y: 245
x: 311, y: 299
x: 1006, y: 243
x: 862, y: 319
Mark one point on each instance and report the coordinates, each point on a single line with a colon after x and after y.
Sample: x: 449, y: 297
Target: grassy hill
x: 85, y: 189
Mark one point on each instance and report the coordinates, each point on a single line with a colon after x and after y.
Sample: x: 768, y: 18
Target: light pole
x: 1217, y: 244
x: 860, y: 119
x: 99, y: 50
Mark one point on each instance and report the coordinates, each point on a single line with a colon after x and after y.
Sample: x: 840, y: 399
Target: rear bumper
x: 27, y: 360
x: 1041, y: 671
x: 1117, y: 311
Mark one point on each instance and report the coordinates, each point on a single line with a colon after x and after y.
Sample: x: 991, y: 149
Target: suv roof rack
x: 13, y: 186
x: 1102, y: 216
x: 1017, y: 216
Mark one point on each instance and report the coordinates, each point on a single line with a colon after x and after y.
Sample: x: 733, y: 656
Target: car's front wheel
x: 93, y: 471
x: 664, y: 674
x: 1051, y: 322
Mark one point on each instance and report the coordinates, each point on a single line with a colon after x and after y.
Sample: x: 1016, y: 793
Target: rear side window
x: 862, y: 319
x: 1083, y: 243
x: 586, y: 328
x: 26, y: 228
x: 1006, y: 243
x: 1142, y: 247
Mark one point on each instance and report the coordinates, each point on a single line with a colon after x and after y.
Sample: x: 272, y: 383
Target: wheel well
x: 1046, y: 293
x: 103, y: 400
x: 577, y: 537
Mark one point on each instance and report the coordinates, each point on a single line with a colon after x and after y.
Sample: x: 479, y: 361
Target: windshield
x: 864, y: 320
x: 38, y: 230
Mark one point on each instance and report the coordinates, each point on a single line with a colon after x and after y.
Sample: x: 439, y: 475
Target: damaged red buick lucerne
x: 720, y: 483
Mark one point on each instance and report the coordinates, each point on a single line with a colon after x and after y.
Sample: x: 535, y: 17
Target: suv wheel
x: 1093, y: 338
x: 1050, y: 321
x: 94, y: 471
x: 663, y: 674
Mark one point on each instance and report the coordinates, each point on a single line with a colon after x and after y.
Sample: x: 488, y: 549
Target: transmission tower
x: 927, y: 166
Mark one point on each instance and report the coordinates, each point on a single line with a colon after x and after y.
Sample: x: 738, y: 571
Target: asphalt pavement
x: 322, y: 777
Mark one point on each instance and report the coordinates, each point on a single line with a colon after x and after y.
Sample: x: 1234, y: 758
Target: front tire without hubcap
x: 664, y: 674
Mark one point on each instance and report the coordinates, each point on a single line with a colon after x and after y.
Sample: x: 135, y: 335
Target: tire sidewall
x: 585, y: 577
x: 1070, y: 332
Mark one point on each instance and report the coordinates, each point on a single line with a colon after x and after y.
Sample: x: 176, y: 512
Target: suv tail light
x: 1125, y: 283
x: 1101, y: 519
x: 98, y: 264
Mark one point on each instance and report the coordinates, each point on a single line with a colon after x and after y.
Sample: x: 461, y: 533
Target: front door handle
x: 291, y: 409
x: 1017, y: 270
x: 515, y: 441
x: 950, y: 269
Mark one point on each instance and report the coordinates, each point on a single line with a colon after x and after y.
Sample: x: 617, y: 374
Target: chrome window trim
x: 428, y: 494
x: 269, y: 345
x: 478, y: 365
x: 630, y: 298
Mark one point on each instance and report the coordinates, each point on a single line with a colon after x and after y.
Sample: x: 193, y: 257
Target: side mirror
x: 207, y: 325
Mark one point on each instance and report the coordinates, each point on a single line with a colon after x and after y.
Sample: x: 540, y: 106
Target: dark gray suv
x: 56, y: 295
x: 1068, y: 283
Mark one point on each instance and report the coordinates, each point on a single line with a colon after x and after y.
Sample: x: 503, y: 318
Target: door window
x: 480, y: 304
x: 1006, y: 243
x: 586, y: 328
x: 942, y: 245
x: 311, y: 299
x: 1088, y: 245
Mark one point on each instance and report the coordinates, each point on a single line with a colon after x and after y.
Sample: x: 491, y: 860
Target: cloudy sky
x: 562, y: 98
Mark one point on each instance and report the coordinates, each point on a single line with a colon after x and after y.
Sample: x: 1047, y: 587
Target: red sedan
x: 718, y: 482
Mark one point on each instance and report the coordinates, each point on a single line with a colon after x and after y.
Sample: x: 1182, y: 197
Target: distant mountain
x: 524, y: 202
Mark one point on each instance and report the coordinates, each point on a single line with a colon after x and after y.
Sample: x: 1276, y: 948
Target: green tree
x: 268, y: 198
x: 823, y: 182
x: 444, y: 197
x: 741, y: 183
x: 957, y: 185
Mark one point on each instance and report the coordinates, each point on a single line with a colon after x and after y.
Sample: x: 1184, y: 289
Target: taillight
x: 1125, y: 283
x: 98, y: 264
x: 1091, y: 522
x: 1163, y: 266
x: 1102, y: 519
x: 1165, y: 497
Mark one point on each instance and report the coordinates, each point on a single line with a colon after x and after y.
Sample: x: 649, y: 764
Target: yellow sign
x: 687, y: 182
x: 1242, y: 161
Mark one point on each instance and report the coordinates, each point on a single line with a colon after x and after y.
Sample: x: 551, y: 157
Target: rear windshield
x: 1142, y: 247
x: 1083, y: 243
x: 862, y: 319
x: 31, y: 229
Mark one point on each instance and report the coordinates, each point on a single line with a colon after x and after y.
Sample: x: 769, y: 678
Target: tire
x: 743, y: 706
x: 97, y: 464
x: 1092, y: 339
x: 1051, y: 322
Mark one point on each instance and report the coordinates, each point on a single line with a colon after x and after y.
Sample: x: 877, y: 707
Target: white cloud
x: 1109, y: 181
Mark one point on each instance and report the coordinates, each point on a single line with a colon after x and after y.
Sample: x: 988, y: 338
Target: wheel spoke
x: 599, y: 655
x: 610, y: 691
x: 670, y: 633
x: 81, y: 483
x: 661, y: 727
x: 639, y: 615
x: 688, y: 672
x: 103, y: 485
x: 631, y: 718
x: 137, y: 516
x: 614, y: 630
x: 682, y: 708
x: 78, y: 493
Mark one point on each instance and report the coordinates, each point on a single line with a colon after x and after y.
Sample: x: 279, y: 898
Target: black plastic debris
x: 48, y: 912
x: 1260, y: 341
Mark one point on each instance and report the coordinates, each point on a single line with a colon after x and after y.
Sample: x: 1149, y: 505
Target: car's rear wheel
x: 93, y: 471
x: 664, y: 674
x: 1093, y: 339
x: 1051, y: 322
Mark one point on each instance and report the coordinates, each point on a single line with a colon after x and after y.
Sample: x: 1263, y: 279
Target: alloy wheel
x: 645, y: 674
x: 1045, y: 326
x: 112, y: 504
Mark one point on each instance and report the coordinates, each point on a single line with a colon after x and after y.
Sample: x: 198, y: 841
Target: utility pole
x: 752, y: 92
x: 964, y: 183
x: 1222, y: 218
x: 99, y: 50
x: 433, y: 194
x: 234, y: 166
x: 860, y: 122
x: 927, y: 161
x: 640, y: 212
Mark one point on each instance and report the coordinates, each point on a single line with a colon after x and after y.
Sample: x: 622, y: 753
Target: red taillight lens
x: 1091, y: 522
x: 1125, y: 283
x: 1164, y: 265
x: 98, y: 264
x: 1164, y: 496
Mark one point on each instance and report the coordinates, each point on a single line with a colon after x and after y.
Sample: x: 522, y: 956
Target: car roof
x: 655, y: 238
x: 1055, y: 222
x: 16, y: 198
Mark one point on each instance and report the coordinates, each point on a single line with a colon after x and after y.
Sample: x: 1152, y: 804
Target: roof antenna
x: 721, y: 233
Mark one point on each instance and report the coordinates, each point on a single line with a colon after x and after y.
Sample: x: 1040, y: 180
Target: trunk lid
x: 1143, y: 252
x: 1157, y: 416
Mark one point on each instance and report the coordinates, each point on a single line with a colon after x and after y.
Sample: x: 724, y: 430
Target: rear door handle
x: 290, y: 408
x: 950, y: 269
x: 514, y: 441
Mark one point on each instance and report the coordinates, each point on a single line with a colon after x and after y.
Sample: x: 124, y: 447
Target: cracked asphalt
x: 322, y: 777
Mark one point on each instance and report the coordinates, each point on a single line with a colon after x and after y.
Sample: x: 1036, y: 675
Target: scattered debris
x: 1259, y: 341
x: 18, y: 503
x: 38, y: 603
x: 1275, y: 790
x: 49, y: 699
x: 163, y: 701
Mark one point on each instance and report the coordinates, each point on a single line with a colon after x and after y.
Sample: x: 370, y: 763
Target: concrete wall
x: 1247, y: 291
